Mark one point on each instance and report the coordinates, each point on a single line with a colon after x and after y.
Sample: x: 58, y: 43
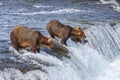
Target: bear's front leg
x: 63, y: 41
x: 16, y: 46
x: 38, y: 50
x: 51, y: 34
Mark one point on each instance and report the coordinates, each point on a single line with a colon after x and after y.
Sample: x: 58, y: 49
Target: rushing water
x: 114, y: 4
x: 98, y: 59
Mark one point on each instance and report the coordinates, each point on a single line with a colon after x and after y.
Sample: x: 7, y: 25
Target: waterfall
x: 114, y: 4
x: 105, y: 39
x: 109, y: 2
x: 84, y: 63
x: 96, y: 60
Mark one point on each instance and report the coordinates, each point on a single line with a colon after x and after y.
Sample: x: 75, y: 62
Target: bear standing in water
x: 56, y: 28
x: 22, y: 37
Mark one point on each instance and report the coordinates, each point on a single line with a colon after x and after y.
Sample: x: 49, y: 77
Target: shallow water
x: 96, y: 60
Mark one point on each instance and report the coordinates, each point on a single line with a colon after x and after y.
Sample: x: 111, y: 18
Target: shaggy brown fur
x: 56, y: 28
x: 22, y: 37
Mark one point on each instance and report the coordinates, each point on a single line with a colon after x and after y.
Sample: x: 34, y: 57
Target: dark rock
x: 112, y: 23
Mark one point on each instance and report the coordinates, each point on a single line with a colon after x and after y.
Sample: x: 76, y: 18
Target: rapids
x: 99, y: 59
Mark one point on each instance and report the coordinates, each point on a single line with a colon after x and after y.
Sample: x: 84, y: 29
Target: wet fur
x: 58, y: 29
x: 22, y: 37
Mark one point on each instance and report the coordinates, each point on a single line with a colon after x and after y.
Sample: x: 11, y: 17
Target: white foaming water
x: 110, y: 2
x: 40, y: 6
x: 78, y: 67
x: 85, y: 62
x: 112, y: 72
x: 115, y: 5
x: 60, y: 11
x: 105, y: 39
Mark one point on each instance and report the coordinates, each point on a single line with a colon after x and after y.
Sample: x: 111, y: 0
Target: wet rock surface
x: 17, y: 61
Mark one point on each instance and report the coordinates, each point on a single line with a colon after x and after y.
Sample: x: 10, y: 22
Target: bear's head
x: 48, y: 42
x: 78, y: 35
x: 79, y: 32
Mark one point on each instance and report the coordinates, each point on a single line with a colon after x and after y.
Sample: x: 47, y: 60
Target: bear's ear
x: 77, y: 28
x: 68, y: 25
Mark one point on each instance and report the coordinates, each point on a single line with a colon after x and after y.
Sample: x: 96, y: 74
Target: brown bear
x: 56, y: 28
x: 80, y: 38
x: 22, y: 37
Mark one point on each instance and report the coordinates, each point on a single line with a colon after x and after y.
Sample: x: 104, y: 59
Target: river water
x: 98, y: 59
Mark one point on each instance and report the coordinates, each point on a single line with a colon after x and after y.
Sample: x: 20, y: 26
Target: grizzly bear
x: 58, y: 29
x: 22, y: 37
